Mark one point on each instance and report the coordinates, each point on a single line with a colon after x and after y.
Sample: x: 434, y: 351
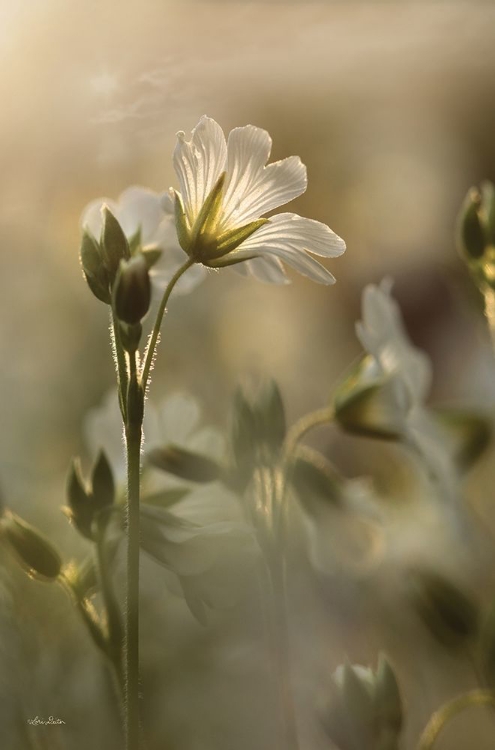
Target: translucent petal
x: 179, y: 417
x: 140, y: 208
x: 291, y: 238
x: 252, y: 188
x: 199, y: 163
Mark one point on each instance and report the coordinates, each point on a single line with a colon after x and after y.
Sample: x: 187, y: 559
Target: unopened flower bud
x: 472, y: 239
x: 132, y: 290
x: 85, y: 502
x: 369, y: 404
x: 451, y: 616
x: 185, y: 464
x: 33, y: 550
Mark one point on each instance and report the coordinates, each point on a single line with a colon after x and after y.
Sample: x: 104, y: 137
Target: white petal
x: 268, y: 269
x: 140, y: 208
x: 199, y: 163
x: 179, y: 417
x: 252, y: 188
x: 291, y: 238
x: 92, y: 219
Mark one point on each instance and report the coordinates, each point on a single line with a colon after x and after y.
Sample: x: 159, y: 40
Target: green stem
x: 304, y: 425
x: 449, y: 710
x: 133, y: 444
x: 119, y: 356
x: 153, y: 340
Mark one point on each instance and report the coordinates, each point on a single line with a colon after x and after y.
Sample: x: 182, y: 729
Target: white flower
x: 406, y: 372
x: 225, y: 189
x: 175, y: 420
x: 141, y: 210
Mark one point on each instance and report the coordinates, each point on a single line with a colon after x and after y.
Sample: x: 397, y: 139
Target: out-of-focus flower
x: 175, y: 420
x: 225, y: 189
x: 366, y: 708
x: 386, y: 396
x: 147, y: 219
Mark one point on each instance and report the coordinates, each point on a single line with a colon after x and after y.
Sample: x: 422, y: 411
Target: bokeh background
x: 390, y: 105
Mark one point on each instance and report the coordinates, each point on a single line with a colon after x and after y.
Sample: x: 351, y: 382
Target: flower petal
x: 140, y: 208
x: 268, y: 270
x: 291, y: 238
x: 252, y: 188
x: 199, y: 163
x: 91, y: 218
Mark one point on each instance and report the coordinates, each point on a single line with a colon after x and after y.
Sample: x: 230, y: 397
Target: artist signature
x: 43, y: 722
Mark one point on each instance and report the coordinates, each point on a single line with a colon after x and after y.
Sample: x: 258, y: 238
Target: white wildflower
x: 143, y: 213
x: 225, y: 189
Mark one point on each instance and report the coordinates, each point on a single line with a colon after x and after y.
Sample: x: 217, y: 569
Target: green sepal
x: 114, y: 243
x: 135, y: 242
x: 184, y: 464
x: 230, y: 240
x: 229, y: 260
x: 181, y: 223
x: 151, y: 255
x: 203, y: 231
x: 34, y: 551
x: 94, y: 269
x: 388, y: 702
x: 80, y: 508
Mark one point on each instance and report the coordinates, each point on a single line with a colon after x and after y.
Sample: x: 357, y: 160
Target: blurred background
x: 390, y: 106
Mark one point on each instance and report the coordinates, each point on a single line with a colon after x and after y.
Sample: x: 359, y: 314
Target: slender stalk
x: 449, y: 710
x: 133, y: 444
x: 153, y: 340
x: 120, y: 363
x: 305, y: 424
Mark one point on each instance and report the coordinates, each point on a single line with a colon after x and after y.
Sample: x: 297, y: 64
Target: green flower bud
x: 365, y: 711
x: 114, y: 244
x: 85, y: 503
x: 132, y: 290
x: 94, y: 269
x: 367, y: 405
x: 450, y: 615
x: 33, y: 550
x: 184, y: 464
x: 102, y: 483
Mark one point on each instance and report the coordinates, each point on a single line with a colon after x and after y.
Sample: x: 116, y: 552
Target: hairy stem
x: 153, y: 340
x: 120, y: 363
x: 449, y: 710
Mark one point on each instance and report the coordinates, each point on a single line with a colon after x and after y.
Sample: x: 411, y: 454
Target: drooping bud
x: 94, y: 268
x: 371, y: 404
x: 34, y: 551
x: 185, y: 464
x: 114, y: 244
x: 132, y: 290
x: 450, y: 614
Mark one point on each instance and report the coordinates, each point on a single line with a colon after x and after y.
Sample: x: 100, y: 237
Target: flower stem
x: 305, y: 424
x: 133, y: 445
x: 447, y: 712
x: 120, y: 363
x: 153, y: 340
